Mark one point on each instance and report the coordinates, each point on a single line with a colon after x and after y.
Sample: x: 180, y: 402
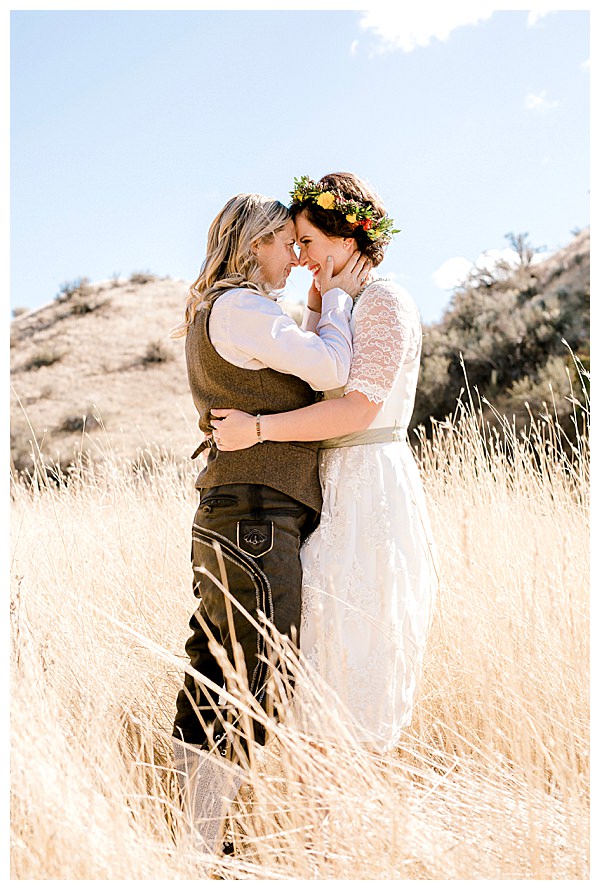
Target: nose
x: 303, y: 260
x: 294, y: 261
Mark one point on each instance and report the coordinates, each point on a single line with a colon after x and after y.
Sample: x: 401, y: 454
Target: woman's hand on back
x: 351, y: 278
x: 233, y: 429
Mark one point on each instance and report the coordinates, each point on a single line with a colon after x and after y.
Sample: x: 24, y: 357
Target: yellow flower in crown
x: 351, y: 217
x: 326, y: 200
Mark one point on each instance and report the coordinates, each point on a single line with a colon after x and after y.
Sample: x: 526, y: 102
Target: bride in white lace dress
x: 369, y: 577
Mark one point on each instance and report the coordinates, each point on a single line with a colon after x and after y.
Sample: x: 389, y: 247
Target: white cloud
x: 538, y: 102
x: 406, y: 27
x: 489, y: 259
x: 353, y: 47
x: 540, y: 257
x: 537, y: 12
x: 457, y: 269
x: 452, y: 273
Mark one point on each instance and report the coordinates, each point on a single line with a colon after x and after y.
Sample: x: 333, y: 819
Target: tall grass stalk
x: 489, y: 782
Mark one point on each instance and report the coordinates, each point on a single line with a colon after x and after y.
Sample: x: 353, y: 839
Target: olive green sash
x: 366, y: 437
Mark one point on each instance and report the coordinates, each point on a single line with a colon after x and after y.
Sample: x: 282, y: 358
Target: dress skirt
x: 369, y: 586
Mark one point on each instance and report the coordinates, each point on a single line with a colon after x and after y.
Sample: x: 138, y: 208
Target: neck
x: 370, y: 280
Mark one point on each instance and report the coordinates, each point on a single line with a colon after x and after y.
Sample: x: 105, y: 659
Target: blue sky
x: 129, y: 131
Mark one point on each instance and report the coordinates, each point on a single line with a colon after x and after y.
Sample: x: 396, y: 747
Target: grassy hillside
x: 101, y: 352
x: 510, y: 333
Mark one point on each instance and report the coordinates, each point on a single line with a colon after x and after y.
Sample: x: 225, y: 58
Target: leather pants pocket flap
x: 255, y: 538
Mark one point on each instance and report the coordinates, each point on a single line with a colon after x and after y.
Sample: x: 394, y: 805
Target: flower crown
x: 377, y: 228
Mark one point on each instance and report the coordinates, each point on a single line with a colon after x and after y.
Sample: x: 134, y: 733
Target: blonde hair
x: 243, y: 222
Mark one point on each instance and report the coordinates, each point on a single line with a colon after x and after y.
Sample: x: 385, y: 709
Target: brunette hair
x: 244, y: 221
x: 334, y: 223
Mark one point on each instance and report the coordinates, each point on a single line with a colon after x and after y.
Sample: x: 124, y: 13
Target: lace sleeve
x: 386, y: 334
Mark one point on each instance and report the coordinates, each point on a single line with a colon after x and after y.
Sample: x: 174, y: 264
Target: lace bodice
x: 386, y: 334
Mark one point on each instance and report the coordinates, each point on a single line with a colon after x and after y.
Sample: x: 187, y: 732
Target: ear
x: 349, y: 244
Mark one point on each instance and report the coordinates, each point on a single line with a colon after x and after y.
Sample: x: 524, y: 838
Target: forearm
x: 249, y: 330
x: 333, y: 330
x: 323, y: 420
x: 322, y: 358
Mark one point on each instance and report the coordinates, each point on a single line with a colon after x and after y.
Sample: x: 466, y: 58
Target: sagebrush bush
x: 69, y: 288
x: 157, y: 353
x: 74, y: 423
x: 43, y: 358
x: 141, y: 277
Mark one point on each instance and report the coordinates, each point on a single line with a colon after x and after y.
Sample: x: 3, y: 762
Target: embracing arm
x: 387, y: 333
x: 323, y: 420
x: 249, y: 330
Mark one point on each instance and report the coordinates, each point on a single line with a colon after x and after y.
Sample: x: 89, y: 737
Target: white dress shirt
x: 252, y: 331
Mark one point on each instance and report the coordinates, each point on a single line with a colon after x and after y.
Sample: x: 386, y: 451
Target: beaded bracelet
x: 258, y: 432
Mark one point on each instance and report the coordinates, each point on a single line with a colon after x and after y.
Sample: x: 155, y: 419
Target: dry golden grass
x: 491, y: 780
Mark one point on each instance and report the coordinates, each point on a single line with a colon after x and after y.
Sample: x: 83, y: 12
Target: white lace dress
x: 369, y: 578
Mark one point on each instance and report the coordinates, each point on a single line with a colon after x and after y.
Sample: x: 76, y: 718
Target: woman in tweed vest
x: 256, y: 507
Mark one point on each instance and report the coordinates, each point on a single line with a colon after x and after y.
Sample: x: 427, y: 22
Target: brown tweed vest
x: 290, y: 467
